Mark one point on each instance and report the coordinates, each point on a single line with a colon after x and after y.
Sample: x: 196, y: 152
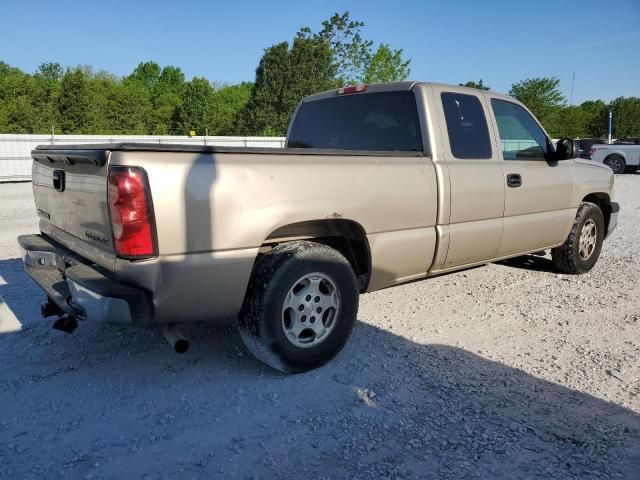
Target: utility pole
x: 610, y: 125
x: 573, y: 81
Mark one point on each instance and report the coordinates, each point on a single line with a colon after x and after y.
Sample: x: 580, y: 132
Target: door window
x: 467, y: 126
x: 520, y: 135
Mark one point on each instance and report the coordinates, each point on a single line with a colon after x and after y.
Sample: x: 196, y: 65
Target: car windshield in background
x: 386, y: 121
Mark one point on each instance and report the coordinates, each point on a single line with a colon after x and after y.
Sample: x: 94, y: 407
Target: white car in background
x: 617, y: 157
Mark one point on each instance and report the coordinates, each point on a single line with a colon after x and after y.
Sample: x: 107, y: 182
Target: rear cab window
x: 466, y: 125
x: 381, y: 121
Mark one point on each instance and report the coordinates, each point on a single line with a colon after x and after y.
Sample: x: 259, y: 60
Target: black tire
x: 567, y: 257
x: 262, y: 318
x: 616, y: 163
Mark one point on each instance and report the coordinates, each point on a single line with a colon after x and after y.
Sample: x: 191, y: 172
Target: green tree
x: 129, y: 109
x: 166, y: 97
x: 472, y: 84
x: 350, y: 51
x: 566, y: 122
x: 283, y: 77
x: 228, y: 101
x: 386, y: 65
x: 50, y: 71
x: 100, y: 91
x: 6, y: 69
x: 18, y: 114
x: 194, y: 112
x: 73, y: 102
x: 147, y: 73
x: 626, y: 117
x: 309, y: 70
x: 264, y: 108
x: 540, y: 95
x: 354, y: 57
x: 595, y: 118
x: 47, y: 78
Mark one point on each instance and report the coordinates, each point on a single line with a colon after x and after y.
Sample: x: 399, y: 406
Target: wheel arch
x: 603, y: 201
x: 345, y: 235
x: 616, y: 153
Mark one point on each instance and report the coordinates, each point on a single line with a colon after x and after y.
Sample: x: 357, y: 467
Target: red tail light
x: 131, y: 213
x: 592, y: 150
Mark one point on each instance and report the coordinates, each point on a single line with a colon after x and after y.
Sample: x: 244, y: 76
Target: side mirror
x: 566, y: 149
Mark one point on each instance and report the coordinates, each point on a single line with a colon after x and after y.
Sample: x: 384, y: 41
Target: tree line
x: 588, y: 120
x: 160, y: 100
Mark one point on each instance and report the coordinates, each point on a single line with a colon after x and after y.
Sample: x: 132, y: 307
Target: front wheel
x: 300, y: 307
x: 580, y: 252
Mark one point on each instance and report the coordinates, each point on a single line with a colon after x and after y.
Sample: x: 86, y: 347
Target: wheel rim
x: 588, y: 238
x: 310, y: 310
x: 615, y: 164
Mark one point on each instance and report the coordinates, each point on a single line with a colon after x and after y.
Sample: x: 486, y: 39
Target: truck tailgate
x: 70, y: 190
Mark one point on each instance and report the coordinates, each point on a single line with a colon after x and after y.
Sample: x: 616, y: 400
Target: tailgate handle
x: 58, y: 180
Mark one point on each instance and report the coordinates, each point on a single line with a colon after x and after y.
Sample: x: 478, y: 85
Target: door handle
x: 514, y: 180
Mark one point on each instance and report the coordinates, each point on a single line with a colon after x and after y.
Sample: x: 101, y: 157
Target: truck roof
x: 401, y: 86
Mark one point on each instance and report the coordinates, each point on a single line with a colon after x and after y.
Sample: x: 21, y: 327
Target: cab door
x: 538, y: 209
x: 476, y: 183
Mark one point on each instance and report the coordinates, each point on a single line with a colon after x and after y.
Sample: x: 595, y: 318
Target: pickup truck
x: 617, y: 157
x: 377, y: 185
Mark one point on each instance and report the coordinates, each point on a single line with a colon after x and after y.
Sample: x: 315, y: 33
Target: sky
x: 500, y: 42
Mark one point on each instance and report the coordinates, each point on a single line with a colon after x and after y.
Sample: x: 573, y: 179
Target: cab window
x: 520, y: 135
x: 382, y: 122
x: 466, y: 125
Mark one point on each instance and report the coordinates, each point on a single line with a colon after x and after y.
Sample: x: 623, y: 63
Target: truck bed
x: 74, y: 150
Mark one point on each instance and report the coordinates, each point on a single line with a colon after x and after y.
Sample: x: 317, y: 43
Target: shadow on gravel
x: 19, y: 294
x: 530, y: 262
x: 117, y: 403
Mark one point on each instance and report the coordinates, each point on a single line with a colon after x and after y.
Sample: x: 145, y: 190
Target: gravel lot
x: 505, y: 371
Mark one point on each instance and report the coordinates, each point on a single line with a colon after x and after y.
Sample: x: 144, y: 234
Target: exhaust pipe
x: 175, y: 338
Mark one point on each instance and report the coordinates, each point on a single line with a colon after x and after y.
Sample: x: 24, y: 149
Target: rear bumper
x: 79, y: 289
x: 613, y: 218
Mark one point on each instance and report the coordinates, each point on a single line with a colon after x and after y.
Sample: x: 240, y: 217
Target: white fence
x: 15, y: 150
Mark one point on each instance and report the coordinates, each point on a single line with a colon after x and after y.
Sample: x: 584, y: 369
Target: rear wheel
x: 300, y: 307
x: 616, y: 163
x: 580, y: 252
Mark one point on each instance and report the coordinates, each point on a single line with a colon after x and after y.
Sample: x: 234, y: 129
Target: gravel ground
x: 505, y: 371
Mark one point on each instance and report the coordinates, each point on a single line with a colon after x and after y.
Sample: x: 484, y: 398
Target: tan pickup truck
x: 378, y: 185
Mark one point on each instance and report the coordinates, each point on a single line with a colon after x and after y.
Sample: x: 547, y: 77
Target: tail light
x: 592, y: 150
x: 131, y: 212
